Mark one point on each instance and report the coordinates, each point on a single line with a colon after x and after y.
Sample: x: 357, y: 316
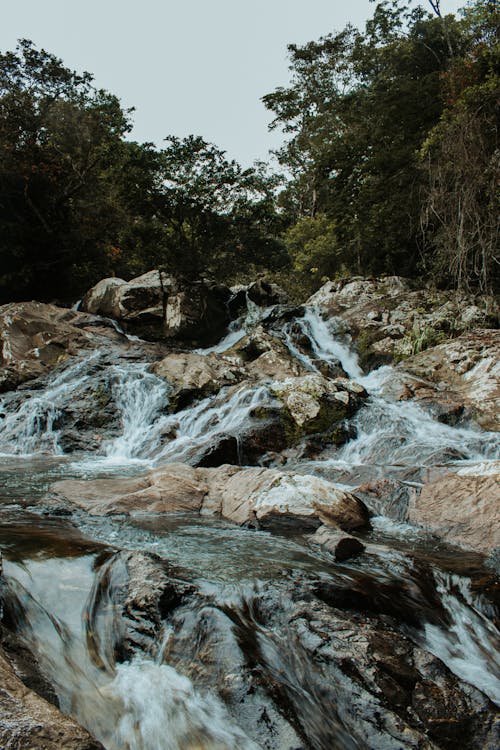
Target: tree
x: 461, y: 212
x: 356, y: 113
x: 61, y: 150
x: 219, y: 217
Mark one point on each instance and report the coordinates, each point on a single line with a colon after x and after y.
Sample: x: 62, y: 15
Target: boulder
x: 266, y: 497
x: 193, y: 376
x: 157, y: 307
x: 259, y: 292
x: 462, y: 508
x: 467, y: 371
x: 313, y: 403
x: 36, y: 337
x: 265, y: 356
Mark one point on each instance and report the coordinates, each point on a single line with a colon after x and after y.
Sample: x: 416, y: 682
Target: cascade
x: 248, y: 642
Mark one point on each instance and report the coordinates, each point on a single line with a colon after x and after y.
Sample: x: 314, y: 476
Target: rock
x: 389, y: 320
x: 259, y: 292
x: 275, y: 499
x: 157, y: 306
x: 461, y: 508
x: 265, y: 356
x: 194, y: 376
x: 469, y: 367
x: 317, y: 404
x: 28, y: 722
x: 270, y: 497
x: 340, y: 545
x: 175, y: 489
x: 387, y: 497
x: 36, y: 337
x: 367, y: 679
x: 143, y: 591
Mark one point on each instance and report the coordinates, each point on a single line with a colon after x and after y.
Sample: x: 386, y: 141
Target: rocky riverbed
x: 232, y: 522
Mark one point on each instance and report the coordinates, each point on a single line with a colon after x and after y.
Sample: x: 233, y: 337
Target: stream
x: 251, y: 649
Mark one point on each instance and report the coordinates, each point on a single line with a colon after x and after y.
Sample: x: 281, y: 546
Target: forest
x: 390, y: 165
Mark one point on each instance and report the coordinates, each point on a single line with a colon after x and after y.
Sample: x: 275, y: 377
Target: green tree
x: 356, y: 113
x: 461, y: 159
x: 219, y: 218
x: 61, y: 159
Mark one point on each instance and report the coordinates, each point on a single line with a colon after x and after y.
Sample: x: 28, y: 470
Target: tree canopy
x: 390, y: 157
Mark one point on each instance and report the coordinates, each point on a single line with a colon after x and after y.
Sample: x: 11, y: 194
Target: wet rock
x: 143, y: 591
x: 240, y: 495
x: 314, y: 404
x: 193, y: 376
x: 27, y: 721
x: 469, y: 367
x: 387, y: 497
x: 341, y: 546
x: 350, y: 679
x: 461, y: 508
x: 156, y: 306
x: 226, y: 449
x: 274, y: 498
x: 35, y: 338
x: 259, y: 292
x: 174, y: 489
x: 265, y: 356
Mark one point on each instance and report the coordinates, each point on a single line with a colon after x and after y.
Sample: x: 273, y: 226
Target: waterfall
x: 141, y: 399
x: 325, y: 343
x: 238, y: 328
x: 33, y: 427
x: 470, y: 644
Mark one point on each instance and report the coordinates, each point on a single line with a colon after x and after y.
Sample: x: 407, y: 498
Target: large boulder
x: 265, y: 356
x: 468, y: 370
x: 254, y: 496
x: 157, y: 306
x: 462, y: 508
x: 315, y: 404
x: 192, y: 376
x: 389, y: 320
x: 259, y: 292
x: 36, y: 337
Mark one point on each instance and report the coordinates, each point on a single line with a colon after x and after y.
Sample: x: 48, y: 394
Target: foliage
x: 356, y: 113
x: 461, y: 211
x: 391, y: 159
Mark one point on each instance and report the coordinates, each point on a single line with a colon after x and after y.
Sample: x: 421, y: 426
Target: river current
x: 187, y: 691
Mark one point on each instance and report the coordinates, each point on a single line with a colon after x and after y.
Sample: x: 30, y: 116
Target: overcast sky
x: 187, y: 66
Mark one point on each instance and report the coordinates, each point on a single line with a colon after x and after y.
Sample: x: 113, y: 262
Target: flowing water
x: 235, y: 664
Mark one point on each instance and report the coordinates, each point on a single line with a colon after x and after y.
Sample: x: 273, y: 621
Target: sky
x: 187, y: 66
